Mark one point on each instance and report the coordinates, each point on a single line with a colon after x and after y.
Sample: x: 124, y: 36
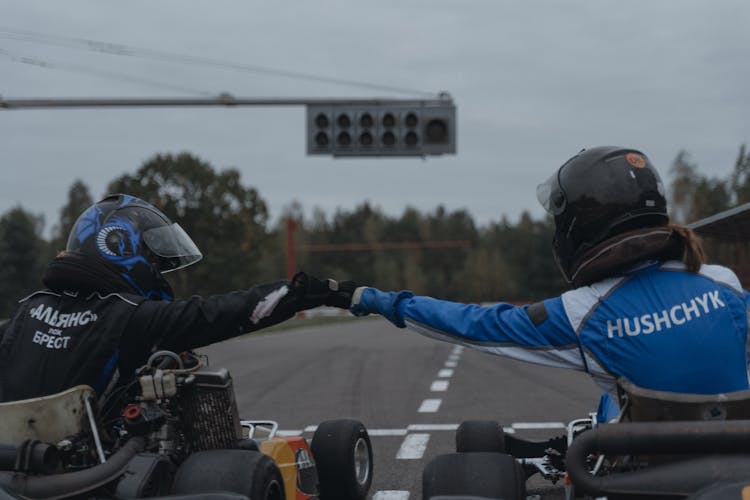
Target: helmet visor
x: 173, y: 245
x: 551, y: 196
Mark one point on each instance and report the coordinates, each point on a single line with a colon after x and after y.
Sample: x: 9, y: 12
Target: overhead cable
x: 41, y: 63
x: 119, y: 49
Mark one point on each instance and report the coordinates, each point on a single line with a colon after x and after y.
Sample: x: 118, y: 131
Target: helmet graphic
x: 136, y: 238
x: 597, y: 194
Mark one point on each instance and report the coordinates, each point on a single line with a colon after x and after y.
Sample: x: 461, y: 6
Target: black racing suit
x: 60, y: 338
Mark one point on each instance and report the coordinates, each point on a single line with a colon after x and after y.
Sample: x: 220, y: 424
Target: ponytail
x: 693, y: 254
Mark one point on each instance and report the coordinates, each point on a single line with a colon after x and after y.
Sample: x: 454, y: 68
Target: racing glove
x: 341, y: 293
x: 313, y: 292
x: 368, y: 300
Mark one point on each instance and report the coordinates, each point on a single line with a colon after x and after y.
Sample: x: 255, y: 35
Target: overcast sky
x: 533, y: 82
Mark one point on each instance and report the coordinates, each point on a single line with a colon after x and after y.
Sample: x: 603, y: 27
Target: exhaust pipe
x: 32, y: 456
x: 72, y: 483
x: 721, y: 444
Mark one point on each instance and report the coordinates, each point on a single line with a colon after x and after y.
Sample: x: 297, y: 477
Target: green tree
x: 446, y: 266
x: 79, y: 199
x: 363, y: 225
x: 741, y: 176
x: 694, y: 196
x: 23, y: 254
x: 682, y: 189
x: 527, y: 249
x: 710, y: 196
x: 406, y: 268
x: 226, y: 219
x: 488, y: 276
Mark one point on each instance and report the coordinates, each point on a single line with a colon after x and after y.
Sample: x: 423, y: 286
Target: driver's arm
x: 199, y: 321
x: 539, y: 333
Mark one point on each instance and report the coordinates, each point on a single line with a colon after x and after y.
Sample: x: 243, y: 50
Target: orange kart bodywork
x: 293, y: 457
x: 335, y: 463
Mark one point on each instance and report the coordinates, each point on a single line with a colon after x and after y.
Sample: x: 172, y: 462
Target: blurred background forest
x: 503, y: 260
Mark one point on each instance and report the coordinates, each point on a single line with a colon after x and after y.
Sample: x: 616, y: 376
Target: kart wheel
x: 481, y: 474
x: 480, y: 435
x: 343, y: 456
x: 249, y: 473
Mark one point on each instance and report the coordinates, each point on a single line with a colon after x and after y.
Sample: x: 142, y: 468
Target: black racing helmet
x: 135, y: 237
x: 597, y: 194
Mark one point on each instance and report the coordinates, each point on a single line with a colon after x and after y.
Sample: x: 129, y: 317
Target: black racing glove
x: 341, y: 293
x: 313, y: 292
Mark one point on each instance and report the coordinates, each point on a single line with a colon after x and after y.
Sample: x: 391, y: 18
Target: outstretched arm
x: 539, y: 333
x: 199, y: 321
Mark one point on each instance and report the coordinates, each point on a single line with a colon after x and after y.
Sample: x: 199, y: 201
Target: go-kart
x: 178, y: 435
x: 661, y: 445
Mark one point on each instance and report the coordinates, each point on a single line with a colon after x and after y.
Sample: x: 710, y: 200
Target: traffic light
x: 393, y: 128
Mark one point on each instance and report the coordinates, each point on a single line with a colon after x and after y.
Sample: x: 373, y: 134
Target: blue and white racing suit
x: 658, y: 326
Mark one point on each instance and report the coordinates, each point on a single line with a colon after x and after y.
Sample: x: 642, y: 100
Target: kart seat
x: 49, y: 419
x: 645, y: 405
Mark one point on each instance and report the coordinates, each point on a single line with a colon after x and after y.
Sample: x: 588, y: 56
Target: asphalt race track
x: 411, y: 392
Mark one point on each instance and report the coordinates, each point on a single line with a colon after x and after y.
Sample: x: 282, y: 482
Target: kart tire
x: 343, y: 457
x: 480, y: 436
x: 249, y: 473
x: 477, y: 474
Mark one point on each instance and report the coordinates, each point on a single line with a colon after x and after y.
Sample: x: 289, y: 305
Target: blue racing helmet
x: 135, y: 237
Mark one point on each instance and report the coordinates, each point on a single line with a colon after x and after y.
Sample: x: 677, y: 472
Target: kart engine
x: 186, y: 408
x: 210, y: 416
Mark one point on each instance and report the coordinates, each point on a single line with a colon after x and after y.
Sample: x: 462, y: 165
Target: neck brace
x: 615, y: 255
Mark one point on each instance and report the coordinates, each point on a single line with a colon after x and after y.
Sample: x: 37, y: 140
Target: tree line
x: 504, y: 260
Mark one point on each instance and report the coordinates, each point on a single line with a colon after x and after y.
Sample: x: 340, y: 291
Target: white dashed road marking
x: 386, y: 432
x: 432, y: 427
x: 416, y: 436
x: 439, y: 386
x: 289, y: 433
x: 511, y: 429
x: 430, y: 406
x: 391, y: 495
x: 413, y: 447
